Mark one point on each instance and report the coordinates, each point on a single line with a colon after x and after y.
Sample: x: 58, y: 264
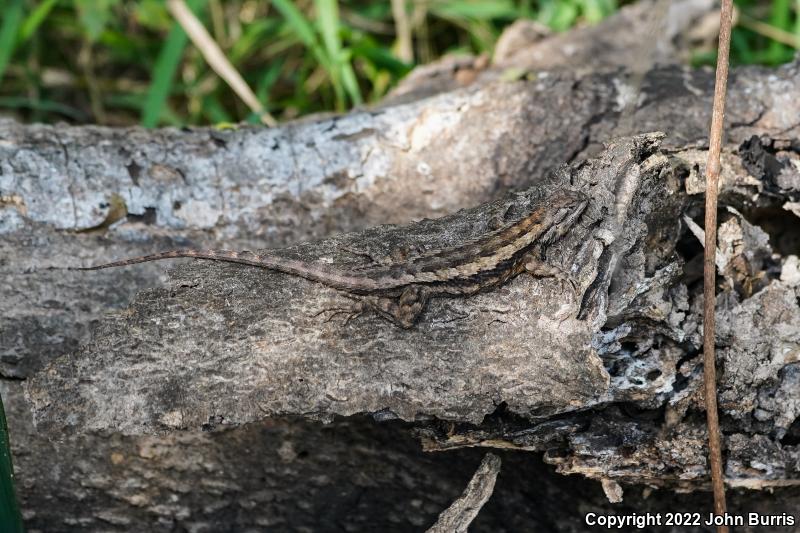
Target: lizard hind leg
x: 541, y: 269
x: 404, y: 310
x: 350, y: 312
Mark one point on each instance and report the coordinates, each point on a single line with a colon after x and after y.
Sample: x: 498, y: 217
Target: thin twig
x: 216, y: 59
x: 713, y: 168
x: 458, y: 517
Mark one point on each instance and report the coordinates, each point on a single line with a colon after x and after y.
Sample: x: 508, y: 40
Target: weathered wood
x: 224, y: 188
x: 227, y: 345
x: 458, y: 517
x: 238, y: 344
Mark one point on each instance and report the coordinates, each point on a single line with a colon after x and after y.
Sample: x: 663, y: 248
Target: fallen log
x: 93, y: 194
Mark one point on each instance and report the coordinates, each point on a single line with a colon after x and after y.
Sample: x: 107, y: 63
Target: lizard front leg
x: 541, y: 269
x: 403, y: 310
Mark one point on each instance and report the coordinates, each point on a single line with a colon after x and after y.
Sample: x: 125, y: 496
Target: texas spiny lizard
x: 400, y: 290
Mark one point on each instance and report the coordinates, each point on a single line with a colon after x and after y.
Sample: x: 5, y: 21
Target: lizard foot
x: 351, y: 312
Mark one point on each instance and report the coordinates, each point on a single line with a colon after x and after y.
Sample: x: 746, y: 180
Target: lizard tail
x: 230, y: 256
x: 319, y: 273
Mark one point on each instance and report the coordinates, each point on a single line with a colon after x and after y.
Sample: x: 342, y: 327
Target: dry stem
x: 709, y: 269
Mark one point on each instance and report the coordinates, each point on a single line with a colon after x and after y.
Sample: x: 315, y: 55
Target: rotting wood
x: 462, y: 512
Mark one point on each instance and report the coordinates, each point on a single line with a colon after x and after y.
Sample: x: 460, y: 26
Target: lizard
x: 400, y: 290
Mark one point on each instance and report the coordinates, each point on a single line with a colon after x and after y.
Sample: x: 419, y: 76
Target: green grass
x: 124, y: 62
x: 9, y: 29
x: 10, y: 518
x: 164, y: 71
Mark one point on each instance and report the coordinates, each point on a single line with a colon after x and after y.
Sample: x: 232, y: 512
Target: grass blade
x: 741, y: 47
x: 350, y: 82
x: 298, y: 23
x: 214, y: 111
x: 35, y: 19
x: 381, y: 57
x: 483, y: 10
x: 268, y: 79
x: 166, y: 65
x: 797, y: 18
x: 48, y: 106
x: 305, y: 32
x: 12, y: 17
x: 779, y: 18
x: 596, y: 10
x: 330, y: 28
x: 559, y: 16
x: 328, y: 21
x: 10, y: 516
